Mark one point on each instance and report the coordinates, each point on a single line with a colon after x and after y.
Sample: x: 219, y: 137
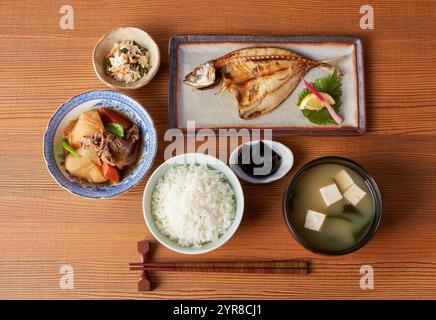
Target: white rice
x: 193, y: 204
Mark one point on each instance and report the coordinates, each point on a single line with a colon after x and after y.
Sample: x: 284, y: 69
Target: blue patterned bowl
x: 72, y: 109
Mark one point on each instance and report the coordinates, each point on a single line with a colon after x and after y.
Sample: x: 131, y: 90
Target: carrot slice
x: 109, y: 116
x: 110, y: 172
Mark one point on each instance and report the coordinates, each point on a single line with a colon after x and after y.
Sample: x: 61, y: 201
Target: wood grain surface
x: 43, y: 227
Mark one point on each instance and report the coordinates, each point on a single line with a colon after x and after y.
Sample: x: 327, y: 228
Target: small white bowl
x: 283, y: 151
x: 104, y: 45
x: 192, y: 158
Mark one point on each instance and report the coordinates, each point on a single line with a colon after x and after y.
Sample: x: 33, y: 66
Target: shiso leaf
x: 331, y: 85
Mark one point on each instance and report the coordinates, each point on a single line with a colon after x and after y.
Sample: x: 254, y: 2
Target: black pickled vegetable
x: 258, y: 160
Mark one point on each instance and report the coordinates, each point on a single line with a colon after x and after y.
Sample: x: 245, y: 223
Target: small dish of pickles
x: 261, y: 161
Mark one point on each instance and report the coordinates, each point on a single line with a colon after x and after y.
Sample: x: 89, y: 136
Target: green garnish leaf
x: 115, y: 128
x: 142, y: 70
x: 108, y: 63
x: 70, y: 149
x: 124, y: 50
x: 331, y: 85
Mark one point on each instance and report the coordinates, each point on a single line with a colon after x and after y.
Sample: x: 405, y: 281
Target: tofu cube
x: 314, y: 220
x: 331, y: 194
x: 354, y: 194
x: 343, y: 180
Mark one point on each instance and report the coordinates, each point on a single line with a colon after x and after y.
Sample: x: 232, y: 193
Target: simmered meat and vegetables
x: 101, y: 145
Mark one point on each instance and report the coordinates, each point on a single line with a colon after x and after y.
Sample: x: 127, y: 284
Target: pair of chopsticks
x: 262, y: 267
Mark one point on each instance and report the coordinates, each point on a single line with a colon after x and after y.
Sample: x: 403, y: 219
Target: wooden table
x: 43, y: 227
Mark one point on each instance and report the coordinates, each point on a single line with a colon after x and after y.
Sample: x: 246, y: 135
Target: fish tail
x: 332, y: 63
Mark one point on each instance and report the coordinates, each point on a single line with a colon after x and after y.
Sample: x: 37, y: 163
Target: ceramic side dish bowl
x: 311, y: 240
x: 287, y: 161
x: 72, y: 109
x: 193, y: 158
x: 105, y: 44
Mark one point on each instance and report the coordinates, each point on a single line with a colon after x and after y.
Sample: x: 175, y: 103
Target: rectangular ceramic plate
x: 219, y: 111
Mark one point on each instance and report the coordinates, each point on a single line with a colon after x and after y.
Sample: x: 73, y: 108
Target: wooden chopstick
x: 263, y: 267
x: 249, y: 264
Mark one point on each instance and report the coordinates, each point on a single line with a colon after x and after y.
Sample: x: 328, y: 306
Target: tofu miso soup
x: 332, y: 207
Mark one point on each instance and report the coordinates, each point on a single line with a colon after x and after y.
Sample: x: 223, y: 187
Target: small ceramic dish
x: 70, y: 110
x: 193, y: 158
x: 287, y: 161
x: 104, y: 45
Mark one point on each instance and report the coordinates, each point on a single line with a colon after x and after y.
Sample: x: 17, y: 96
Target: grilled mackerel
x: 260, y: 78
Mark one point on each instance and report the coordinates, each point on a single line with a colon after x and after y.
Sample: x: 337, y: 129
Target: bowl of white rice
x: 193, y: 203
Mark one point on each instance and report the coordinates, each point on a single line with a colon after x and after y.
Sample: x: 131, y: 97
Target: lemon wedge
x: 311, y: 102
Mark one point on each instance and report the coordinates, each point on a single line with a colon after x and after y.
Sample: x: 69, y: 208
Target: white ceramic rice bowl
x: 191, y: 158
